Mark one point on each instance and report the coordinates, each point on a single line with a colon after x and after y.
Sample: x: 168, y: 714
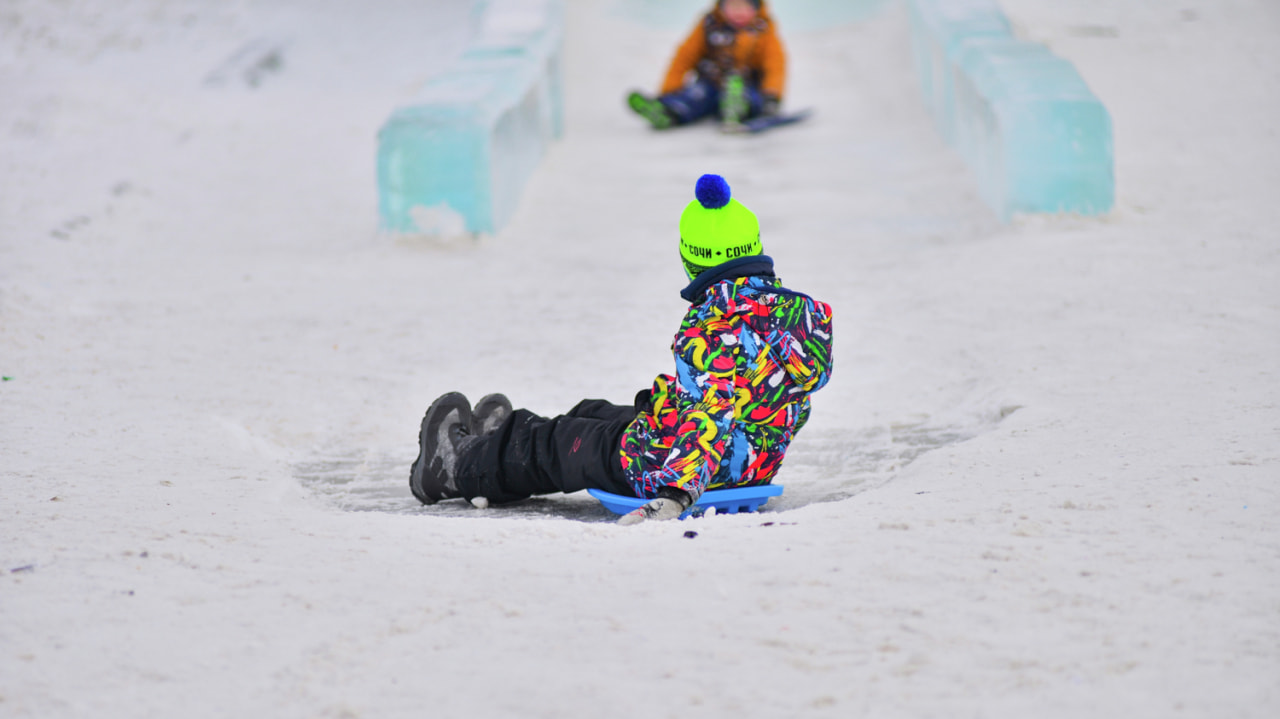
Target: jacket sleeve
x: 706, y: 367
x: 773, y: 64
x: 687, y: 57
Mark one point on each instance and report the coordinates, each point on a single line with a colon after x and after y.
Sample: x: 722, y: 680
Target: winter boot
x: 445, y: 434
x: 488, y: 413
x: 734, y: 105
x: 652, y: 110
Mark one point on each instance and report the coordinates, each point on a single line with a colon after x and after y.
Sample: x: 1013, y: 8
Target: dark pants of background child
x: 528, y: 454
x: 702, y: 98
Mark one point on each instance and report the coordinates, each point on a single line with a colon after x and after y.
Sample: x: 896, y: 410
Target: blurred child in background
x: 732, y: 66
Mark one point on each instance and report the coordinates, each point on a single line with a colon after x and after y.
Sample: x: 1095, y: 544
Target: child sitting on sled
x: 731, y: 66
x: 748, y: 354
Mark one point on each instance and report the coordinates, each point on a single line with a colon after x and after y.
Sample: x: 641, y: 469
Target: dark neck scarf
x: 731, y: 270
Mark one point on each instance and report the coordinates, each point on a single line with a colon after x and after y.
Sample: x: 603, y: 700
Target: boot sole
x: 419, y: 466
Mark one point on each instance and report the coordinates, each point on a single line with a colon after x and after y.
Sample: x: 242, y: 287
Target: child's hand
x: 669, y: 504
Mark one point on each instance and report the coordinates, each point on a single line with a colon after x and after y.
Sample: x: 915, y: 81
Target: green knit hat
x: 716, y: 228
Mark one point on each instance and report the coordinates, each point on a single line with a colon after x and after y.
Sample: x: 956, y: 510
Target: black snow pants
x: 528, y: 454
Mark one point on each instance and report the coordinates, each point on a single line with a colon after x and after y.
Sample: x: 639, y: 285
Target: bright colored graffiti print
x: 747, y: 357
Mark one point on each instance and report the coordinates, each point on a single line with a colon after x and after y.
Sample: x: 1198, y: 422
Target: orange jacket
x: 714, y: 49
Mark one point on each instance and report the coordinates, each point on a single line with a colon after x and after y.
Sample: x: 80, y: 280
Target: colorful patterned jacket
x: 748, y: 354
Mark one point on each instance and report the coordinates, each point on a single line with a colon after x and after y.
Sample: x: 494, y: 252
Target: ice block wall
x: 1035, y: 136
x: 456, y: 159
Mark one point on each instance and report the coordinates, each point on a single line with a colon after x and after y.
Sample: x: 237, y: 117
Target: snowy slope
x: 1041, y: 482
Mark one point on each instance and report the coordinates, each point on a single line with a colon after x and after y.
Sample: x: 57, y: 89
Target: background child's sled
x: 766, y: 122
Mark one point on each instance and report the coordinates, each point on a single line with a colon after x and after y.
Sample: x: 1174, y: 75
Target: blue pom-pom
x: 712, y: 192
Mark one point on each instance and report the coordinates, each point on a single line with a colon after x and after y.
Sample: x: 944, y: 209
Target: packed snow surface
x: 1043, y: 480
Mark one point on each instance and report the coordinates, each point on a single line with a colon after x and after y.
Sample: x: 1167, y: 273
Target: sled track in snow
x: 823, y: 465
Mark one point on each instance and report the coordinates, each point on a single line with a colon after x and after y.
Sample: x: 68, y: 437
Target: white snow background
x: 1042, y: 483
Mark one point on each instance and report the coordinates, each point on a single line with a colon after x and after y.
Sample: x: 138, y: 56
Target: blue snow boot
x: 444, y: 435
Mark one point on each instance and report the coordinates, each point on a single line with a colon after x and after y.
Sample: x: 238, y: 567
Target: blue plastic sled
x: 730, y: 501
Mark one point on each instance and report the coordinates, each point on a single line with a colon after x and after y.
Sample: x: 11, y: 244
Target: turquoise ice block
x: 1057, y: 155
x: 939, y: 27
x: 457, y: 158
x: 1025, y: 121
x: 1041, y: 141
x: 973, y: 63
